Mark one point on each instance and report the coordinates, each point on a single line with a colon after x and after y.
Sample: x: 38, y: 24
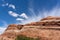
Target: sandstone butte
x: 46, y: 29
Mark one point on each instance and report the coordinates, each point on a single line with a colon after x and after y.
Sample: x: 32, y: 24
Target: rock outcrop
x: 46, y: 29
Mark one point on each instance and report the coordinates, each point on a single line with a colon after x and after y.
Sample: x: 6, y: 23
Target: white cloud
x: 19, y: 19
x: 2, y: 30
x: 53, y: 12
x: 13, y: 14
x: 24, y: 15
x: 6, y: 4
x: 12, y: 6
x: 3, y: 27
x: 41, y: 14
x: 9, y: 5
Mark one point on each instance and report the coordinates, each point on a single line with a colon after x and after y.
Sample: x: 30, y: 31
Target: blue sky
x: 25, y: 11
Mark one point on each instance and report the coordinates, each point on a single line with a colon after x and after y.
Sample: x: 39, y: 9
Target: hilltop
x: 46, y: 29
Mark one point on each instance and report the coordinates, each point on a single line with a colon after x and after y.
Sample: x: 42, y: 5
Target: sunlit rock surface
x: 46, y: 29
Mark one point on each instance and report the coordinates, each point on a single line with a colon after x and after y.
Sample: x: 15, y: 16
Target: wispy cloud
x: 12, y: 6
x: 14, y: 14
x: 55, y: 11
x: 19, y: 19
x: 24, y: 15
x: 2, y: 29
x: 9, y: 5
x: 6, y: 4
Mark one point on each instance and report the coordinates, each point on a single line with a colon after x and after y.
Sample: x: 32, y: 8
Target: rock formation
x: 46, y: 29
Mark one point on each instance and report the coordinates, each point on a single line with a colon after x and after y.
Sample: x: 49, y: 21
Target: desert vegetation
x: 25, y: 38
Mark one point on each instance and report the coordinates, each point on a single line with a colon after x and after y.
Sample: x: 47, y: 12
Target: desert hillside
x: 46, y: 29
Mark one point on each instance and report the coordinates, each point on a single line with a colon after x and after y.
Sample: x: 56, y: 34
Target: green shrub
x: 25, y: 38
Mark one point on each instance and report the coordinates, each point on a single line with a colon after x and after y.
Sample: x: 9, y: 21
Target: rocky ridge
x: 46, y: 29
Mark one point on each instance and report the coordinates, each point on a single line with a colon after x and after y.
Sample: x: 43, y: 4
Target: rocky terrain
x: 46, y: 29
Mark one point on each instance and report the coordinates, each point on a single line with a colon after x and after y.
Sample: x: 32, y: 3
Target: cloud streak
x: 6, y: 4
x: 24, y: 15
x: 3, y: 27
x: 19, y: 19
x: 12, y: 6
x: 13, y: 14
x: 55, y: 11
x: 9, y: 5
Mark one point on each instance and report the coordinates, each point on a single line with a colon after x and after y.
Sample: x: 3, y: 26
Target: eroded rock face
x: 50, y: 18
x: 46, y: 22
x: 50, y: 21
x: 46, y: 29
x: 11, y: 32
x: 14, y: 27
